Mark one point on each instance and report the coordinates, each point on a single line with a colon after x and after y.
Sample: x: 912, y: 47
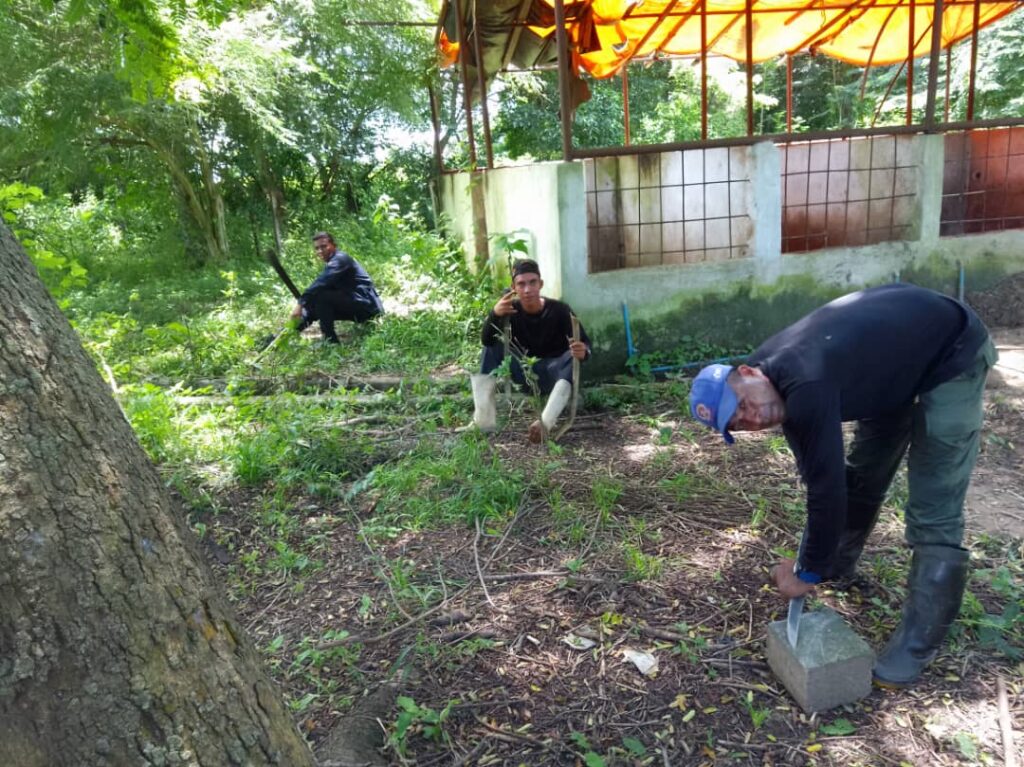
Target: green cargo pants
x: 942, y: 429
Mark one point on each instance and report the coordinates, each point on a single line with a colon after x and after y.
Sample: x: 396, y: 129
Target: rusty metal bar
x: 703, y: 70
x: 625, y: 101
x: 564, y: 99
x: 435, y: 119
x: 933, y: 66
x: 748, y: 33
x: 781, y: 138
x: 871, y: 56
x: 972, y: 80
x: 911, y: 47
x: 440, y: 23
x: 467, y: 91
x: 657, y: 23
x: 945, y: 105
x: 513, y: 39
x: 481, y: 76
x: 789, y: 93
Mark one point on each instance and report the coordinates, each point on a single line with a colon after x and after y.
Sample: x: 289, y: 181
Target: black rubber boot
x: 935, y: 588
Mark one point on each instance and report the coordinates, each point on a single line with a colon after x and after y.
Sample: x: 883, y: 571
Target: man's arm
x: 332, y: 277
x: 581, y: 349
x: 814, y: 430
x: 504, y: 307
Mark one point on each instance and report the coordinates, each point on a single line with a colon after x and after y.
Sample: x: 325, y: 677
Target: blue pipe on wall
x: 632, y: 350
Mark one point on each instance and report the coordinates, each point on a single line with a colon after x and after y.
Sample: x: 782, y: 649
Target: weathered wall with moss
x: 733, y: 303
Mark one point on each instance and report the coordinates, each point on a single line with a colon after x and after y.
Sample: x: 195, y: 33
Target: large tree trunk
x: 115, y: 647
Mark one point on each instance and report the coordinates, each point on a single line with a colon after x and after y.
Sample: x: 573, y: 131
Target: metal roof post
x: 481, y: 76
x: 564, y: 97
x: 463, y: 49
x: 933, y: 66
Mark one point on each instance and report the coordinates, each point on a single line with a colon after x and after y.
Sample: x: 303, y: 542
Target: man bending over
x: 908, y: 365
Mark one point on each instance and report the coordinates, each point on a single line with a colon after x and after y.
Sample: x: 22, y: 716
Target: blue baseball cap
x: 712, y: 400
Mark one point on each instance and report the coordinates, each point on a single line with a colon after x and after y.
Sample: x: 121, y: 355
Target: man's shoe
x: 935, y: 589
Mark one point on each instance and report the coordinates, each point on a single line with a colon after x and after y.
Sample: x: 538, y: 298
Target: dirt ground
x: 640, y: 534
x: 995, y: 500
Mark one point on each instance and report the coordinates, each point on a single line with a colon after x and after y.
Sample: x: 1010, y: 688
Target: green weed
x: 414, y: 719
x: 458, y: 481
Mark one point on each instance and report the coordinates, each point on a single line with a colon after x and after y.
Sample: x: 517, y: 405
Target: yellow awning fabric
x: 606, y: 34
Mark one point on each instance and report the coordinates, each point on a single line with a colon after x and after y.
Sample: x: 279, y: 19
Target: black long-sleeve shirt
x: 865, y: 355
x: 545, y: 334
x: 344, y: 273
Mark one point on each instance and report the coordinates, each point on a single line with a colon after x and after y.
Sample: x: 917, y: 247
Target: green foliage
x: 59, y: 272
x: 1002, y: 629
x: 758, y: 715
x: 457, y: 481
x: 416, y: 719
x: 641, y: 566
x: 590, y: 757
x: 839, y: 728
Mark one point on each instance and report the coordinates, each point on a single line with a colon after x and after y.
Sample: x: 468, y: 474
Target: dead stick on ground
x: 479, y: 572
x: 397, y: 629
x: 1005, y: 725
x: 268, y: 347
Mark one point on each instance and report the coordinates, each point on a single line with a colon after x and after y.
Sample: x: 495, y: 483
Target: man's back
x: 874, y: 350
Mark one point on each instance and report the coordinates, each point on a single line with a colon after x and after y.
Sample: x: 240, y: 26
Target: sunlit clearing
x: 639, y: 453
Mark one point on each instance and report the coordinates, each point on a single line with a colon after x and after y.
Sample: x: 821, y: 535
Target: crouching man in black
x: 342, y: 291
x: 539, y: 328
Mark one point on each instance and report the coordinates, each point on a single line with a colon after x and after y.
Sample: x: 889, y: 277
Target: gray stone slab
x: 830, y: 665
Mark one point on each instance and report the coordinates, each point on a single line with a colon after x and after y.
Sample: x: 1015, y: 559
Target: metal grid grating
x: 848, y: 191
x: 983, y: 181
x: 677, y: 207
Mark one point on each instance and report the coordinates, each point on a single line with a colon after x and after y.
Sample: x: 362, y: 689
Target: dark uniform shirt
x: 865, y: 355
x: 546, y: 334
x: 342, y: 273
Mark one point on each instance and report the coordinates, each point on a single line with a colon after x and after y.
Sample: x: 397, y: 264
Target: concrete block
x: 830, y: 665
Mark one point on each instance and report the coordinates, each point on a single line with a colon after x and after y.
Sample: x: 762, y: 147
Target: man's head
x: 323, y: 244
x: 526, y: 282
x: 735, y: 399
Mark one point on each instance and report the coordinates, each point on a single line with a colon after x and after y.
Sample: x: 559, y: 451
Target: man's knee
x: 491, y: 358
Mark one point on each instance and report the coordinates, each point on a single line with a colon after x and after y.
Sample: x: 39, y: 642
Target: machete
x: 796, y: 608
x: 796, y: 604
x: 273, y: 255
x: 275, y: 262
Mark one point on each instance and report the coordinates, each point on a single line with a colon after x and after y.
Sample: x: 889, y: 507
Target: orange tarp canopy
x: 606, y: 34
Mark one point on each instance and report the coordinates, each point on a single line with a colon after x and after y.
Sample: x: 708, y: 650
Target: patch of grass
x: 681, y: 486
x: 443, y: 483
x: 605, y: 494
x: 641, y: 566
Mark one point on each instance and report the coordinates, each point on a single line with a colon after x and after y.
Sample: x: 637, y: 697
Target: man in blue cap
x: 909, y: 366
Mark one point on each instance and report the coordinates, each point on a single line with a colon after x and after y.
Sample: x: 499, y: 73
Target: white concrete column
x: 572, y: 232
x: 929, y: 186
x: 765, y: 206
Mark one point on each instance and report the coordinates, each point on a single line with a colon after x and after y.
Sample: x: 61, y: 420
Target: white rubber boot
x: 485, y: 414
x: 557, y: 401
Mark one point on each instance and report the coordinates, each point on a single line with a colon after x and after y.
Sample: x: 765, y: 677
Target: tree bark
x: 115, y: 645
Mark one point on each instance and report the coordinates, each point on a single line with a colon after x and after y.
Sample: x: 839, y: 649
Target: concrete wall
x: 733, y: 302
